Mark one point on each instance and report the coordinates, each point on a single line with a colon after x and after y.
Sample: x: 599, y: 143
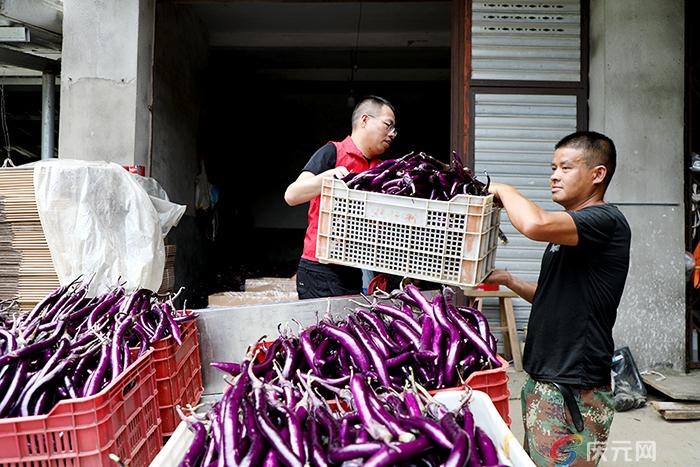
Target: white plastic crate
x: 174, y: 450
x: 486, y: 417
x: 449, y: 242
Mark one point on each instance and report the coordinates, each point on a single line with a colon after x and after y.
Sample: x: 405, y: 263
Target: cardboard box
x: 259, y: 291
x: 277, y: 284
x: 251, y: 298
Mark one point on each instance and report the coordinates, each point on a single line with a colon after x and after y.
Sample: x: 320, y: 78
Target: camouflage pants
x: 550, y: 436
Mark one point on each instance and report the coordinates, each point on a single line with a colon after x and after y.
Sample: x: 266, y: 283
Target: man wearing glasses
x: 373, y: 131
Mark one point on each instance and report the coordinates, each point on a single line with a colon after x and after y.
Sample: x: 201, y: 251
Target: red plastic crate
x: 122, y: 419
x: 494, y: 383
x: 178, y: 375
x: 136, y: 169
x: 260, y: 345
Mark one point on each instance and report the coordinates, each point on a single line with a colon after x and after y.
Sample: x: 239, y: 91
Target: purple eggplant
x: 273, y: 436
x: 398, y: 453
x: 487, y: 450
x: 462, y: 448
x: 349, y: 343
x: 354, y: 451
x: 362, y: 404
x: 197, y: 447
x: 372, y: 351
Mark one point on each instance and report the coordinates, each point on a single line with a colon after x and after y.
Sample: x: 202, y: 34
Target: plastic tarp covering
x: 101, y: 223
x: 169, y: 213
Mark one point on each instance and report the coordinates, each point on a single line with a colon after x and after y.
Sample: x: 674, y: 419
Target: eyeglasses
x: 390, y: 127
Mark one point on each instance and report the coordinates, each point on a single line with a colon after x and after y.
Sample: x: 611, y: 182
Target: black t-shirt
x: 569, y: 335
x: 323, y: 159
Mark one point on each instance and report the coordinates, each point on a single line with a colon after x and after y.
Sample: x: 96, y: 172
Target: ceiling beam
x: 28, y: 61
x: 14, y: 34
x: 337, y: 74
x: 401, y: 39
x: 205, y: 2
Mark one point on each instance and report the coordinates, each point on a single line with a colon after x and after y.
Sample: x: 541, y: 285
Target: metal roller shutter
x: 514, y: 138
x: 526, y: 41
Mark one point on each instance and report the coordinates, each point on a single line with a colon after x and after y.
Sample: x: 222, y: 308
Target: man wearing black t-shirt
x: 567, y: 402
x: 373, y: 131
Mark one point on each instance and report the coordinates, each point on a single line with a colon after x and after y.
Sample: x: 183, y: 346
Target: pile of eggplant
x: 388, y: 341
x: 375, y: 367
x: 281, y: 423
x: 71, y: 345
x: 421, y: 176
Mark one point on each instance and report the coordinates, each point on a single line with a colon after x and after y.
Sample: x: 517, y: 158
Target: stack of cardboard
x: 26, y: 270
x: 168, y: 284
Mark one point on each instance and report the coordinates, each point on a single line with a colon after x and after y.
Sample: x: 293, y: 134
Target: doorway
x: 281, y: 81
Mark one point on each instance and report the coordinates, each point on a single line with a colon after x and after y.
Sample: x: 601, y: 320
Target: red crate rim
x: 169, y: 341
x: 501, y: 369
x: 78, y: 400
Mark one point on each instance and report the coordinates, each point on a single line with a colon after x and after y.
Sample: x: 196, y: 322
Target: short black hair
x: 597, y: 149
x: 370, y: 102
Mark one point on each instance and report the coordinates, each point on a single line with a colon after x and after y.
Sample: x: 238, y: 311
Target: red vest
x: 349, y: 156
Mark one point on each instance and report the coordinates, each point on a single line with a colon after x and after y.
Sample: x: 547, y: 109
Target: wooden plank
x: 474, y: 292
x: 662, y: 405
x: 676, y: 385
x: 680, y: 415
x: 677, y: 411
x: 507, y: 305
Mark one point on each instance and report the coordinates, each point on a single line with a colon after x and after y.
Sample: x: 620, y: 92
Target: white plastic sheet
x: 100, y: 223
x: 168, y: 213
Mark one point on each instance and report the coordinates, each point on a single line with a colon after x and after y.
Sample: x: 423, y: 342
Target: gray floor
x: 675, y: 443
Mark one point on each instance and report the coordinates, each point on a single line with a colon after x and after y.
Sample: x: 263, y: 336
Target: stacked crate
x: 122, y: 421
x: 168, y: 283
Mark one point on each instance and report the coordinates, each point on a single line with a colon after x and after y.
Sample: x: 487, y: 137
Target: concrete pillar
x: 48, y: 110
x: 636, y: 98
x: 106, y: 80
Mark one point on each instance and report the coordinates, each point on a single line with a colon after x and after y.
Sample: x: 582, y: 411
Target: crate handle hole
x: 129, y: 386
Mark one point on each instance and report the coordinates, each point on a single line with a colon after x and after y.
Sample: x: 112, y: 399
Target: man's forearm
x: 503, y: 277
x: 525, y: 289
x: 304, y: 190
x: 308, y: 185
x: 521, y: 211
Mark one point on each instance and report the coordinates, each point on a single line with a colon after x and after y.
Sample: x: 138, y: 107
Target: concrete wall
x: 126, y: 100
x: 105, y: 80
x: 636, y: 98
x: 180, y: 56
